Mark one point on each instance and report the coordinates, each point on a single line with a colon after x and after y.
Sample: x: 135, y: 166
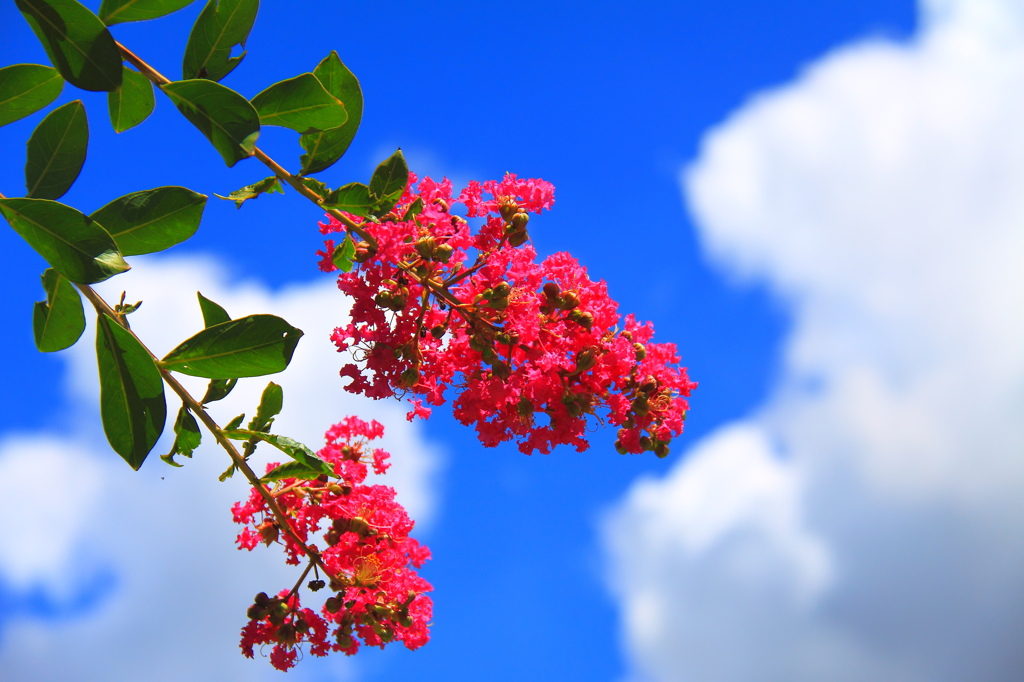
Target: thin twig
x: 102, y: 307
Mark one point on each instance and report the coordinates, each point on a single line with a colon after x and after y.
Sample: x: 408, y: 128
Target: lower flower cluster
x: 368, y: 558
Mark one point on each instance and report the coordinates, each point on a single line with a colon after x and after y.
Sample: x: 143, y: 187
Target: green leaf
x: 352, y: 198
x: 77, y: 42
x: 120, y: 11
x: 58, y: 322
x: 132, y: 103
x: 186, y: 437
x: 299, y: 103
x: 71, y: 243
x: 324, y: 148
x: 343, y: 254
x: 270, y: 406
x: 56, y: 151
x: 389, y: 181
x: 25, y: 89
x: 235, y: 422
x: 221, y: 114
x: 294, y: 449
x: 131, y: 392
x: 218, y: 389
x: 269, y: 185
x: 151, y: 220
x: 221, y: 25
x: 415, y: 208
x: 213, y: 313
x: 291, y: 470
x: 248, y: 347
x: 316, y: 186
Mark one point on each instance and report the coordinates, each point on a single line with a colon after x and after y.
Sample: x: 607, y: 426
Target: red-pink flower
x: 525, y: 349
x: 377, y: 595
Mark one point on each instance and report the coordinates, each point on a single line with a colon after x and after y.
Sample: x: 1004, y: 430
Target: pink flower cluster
x: 528, y: 348
x: 370, y: 560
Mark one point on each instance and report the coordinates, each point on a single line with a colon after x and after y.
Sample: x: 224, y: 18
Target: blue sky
x: 765, y: 181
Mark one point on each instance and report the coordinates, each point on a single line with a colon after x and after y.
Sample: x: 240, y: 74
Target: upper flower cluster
x: 369, y: 557
x: 529, y: 348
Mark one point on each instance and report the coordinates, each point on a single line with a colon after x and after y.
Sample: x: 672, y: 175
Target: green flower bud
x: 409, y: 378
x: 568, y: 300
x: 443, y: 253
x: 524, y: 408
x: 501, y: 370
x: 639, y: 351
x: 425, y: 247
x: 518, y: 238
x: 286, y: 634
x: 585, y: 360
x: 551, y: 290
x: 519, y: 221
x: 507, y: 207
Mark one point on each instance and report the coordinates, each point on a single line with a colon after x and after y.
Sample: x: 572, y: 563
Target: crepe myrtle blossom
x: 525, y: 349
x: 376, y: 594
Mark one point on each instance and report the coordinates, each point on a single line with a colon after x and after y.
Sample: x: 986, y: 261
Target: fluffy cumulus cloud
x: 865, y: 522
x: 134, y: 575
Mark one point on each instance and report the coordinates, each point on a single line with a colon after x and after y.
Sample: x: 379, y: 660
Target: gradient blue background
x: 605, y: 100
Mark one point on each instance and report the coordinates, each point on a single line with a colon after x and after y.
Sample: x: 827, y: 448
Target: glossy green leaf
x: 326, y: 147
x: 270, y: 406
x: 221, y: 26
x: 291, y: 470
x: 352, y: 198
x: 218, y: 389
x: 415, y: 208
x: 213, y: 313
x: 389, y: 181
x: 343, y: 254
x: 58, y: 322
x: 248, y: 347
x: 76, y: 41
x: 25, y: 89
x: 151, y: 220
x: 132, y: 401
x: 221, y: 114
x: 299, y: 103
x: 132, y: 103
x: 121, y: 11
x: 294, y: 449
x: 56, y: 152
x: 269, y: 185
x: 186, y: 437
x: 72, y: 243
x: 316, y: 186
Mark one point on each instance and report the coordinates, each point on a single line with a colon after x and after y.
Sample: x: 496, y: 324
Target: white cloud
x: 165, y: 535
x: 869, y: 527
